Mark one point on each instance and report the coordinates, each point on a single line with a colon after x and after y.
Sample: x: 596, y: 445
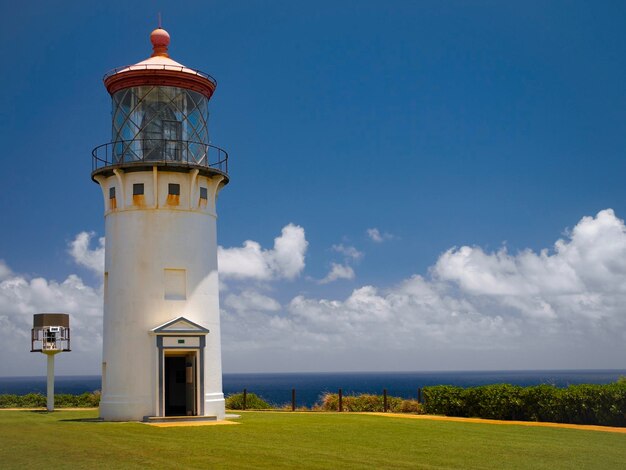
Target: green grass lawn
x: 297, y: 440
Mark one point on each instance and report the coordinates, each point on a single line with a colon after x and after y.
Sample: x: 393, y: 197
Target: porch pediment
x: 179, y: 326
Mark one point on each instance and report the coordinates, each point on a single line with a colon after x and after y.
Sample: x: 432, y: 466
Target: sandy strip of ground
x: 583, y: 427
x: 190, y: 423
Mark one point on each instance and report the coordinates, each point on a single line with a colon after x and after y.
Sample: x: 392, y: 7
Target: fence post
x: 340, y: 401
x: 293, y: 399
x: 245, y: 396
x: 385, y: 400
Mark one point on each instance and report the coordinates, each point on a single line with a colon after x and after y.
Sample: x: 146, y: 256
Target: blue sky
x: 440, y: 124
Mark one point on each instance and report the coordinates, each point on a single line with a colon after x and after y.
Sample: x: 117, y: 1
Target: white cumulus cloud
x: 563, y: 307
x: 592, y: 259
x: 377, y: 236
x: 284, y: 261
x: 251, y: 301
x: 350, y: 252
x: 83, y: 255
x: 5, y: 271
x: 21, y: 298
x: 338, y: 271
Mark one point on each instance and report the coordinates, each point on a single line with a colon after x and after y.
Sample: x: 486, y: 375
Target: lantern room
x: 160, y: 115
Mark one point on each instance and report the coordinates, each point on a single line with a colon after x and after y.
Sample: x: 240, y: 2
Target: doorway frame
x: 180, y: 336
x: 199, y: 378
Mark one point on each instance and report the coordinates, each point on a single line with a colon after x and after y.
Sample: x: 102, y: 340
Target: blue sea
x: 276, y: 387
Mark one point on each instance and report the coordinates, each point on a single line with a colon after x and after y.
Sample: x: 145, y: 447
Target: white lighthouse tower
x: 160, y: 178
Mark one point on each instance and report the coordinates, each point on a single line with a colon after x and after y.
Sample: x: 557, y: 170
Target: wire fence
x: 295, y: 399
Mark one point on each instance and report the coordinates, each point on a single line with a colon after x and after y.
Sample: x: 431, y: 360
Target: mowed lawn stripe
x: 298, y: 440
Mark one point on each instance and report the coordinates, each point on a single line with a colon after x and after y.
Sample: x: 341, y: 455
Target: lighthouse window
x: 137, y: 189
x: 156, y: 123
x: 175, y: 284
x: 174, y: 189
x: 112, y: 192
x: 203, y: 193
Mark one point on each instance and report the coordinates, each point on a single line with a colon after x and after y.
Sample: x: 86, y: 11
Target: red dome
x: 159, y: 70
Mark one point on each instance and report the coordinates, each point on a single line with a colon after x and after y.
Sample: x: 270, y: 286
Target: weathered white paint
x: 144, y: 237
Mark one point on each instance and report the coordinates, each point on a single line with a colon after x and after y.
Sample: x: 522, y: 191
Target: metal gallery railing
x: 161, y: 151
x: 175, y: 68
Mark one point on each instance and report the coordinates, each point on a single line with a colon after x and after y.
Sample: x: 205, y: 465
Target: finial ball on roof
x: 160, y: 38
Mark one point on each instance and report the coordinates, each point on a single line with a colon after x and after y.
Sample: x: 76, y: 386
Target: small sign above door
x: 178, y: 341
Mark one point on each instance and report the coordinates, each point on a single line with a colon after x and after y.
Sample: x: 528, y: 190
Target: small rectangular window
x: 174, y: 189
x: 175, y: 284
x: 203, y: 193
x: 112, y: 192
x: 137, y: 189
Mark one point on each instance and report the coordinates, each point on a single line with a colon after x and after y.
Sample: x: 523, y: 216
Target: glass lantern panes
x: 160, y: 123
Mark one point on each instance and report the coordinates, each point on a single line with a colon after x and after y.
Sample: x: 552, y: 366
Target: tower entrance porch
x: 180, y: 345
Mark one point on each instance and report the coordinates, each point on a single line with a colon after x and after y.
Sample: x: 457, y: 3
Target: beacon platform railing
x: 159, y: 151
x: 174, y: 68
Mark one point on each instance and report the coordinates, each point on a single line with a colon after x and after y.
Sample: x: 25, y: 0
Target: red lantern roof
x: 159, y: 70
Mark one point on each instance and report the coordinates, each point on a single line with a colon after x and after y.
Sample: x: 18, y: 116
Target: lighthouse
x: 160, y: 178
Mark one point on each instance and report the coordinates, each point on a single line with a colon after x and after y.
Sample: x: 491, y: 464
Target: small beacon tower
x: 160, y: 178
x: 50, y: 335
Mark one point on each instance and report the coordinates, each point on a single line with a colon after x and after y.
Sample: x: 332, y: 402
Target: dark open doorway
x: 180, y: 385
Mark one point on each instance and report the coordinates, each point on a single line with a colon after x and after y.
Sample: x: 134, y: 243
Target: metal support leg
x: 50, y: 402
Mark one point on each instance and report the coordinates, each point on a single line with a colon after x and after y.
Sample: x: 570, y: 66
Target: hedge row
x: 330, y: 402
x: 367, y: 402
x: 253, y: 402
x: 576, y: 404
x: 63, y: 400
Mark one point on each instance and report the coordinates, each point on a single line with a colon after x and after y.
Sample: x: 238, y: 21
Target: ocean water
x: 276, y: 388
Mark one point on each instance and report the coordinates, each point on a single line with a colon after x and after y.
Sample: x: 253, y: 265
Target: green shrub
x: 596, y: 404
x: 63, y: 400
x: 30, y: 400
x: 10, y: 401
x: 499, y: 401
x: 360, y: 403
x: 84, y: 400
x: 33, y: 400
x: 544, y: 403
x: 368, y: 403
x: 253, y: 402
x: 445, y: 399
x: 408, y: 406
x: 577, y: 404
